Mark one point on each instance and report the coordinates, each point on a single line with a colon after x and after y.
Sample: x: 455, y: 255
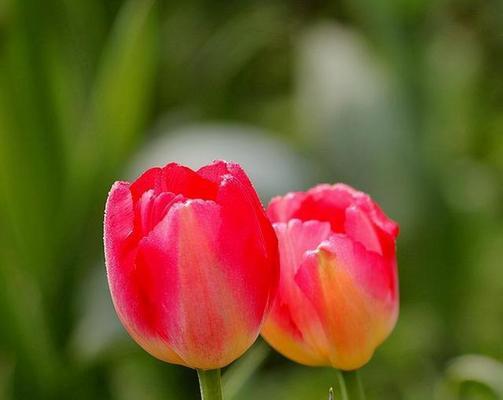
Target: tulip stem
x: 209, y: 382
x: 341, y: 387
x: 353, y: 385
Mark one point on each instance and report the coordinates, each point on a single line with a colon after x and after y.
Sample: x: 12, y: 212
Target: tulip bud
x: 192, y: 262
x: 337, y: 298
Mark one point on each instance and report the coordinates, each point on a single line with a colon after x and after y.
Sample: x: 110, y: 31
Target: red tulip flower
x: 338, y: 293
x: 192, y: 262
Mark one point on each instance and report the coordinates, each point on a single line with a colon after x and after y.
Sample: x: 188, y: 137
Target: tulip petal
x: 385, y: 228
x: 254, y: 259
x: 281, y: 208
x: 244, y: 218
x: 183, y: 180
x: 343, y: 282
x: 359, y: 227
x: 118, y: 227
x: 290, y: 310
x: 219, y: 172
x: 377, y: 215
x: 120, y: 254
x: 151, y: 209
x: 176, y: 179
x: 119, y: 219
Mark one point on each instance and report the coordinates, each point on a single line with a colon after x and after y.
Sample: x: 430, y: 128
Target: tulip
x: 192, y: 262
x: 337, y: 298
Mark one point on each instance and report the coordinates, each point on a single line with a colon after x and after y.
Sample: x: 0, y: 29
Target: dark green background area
x: 402, y: 99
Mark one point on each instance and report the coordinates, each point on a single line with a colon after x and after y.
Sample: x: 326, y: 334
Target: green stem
x: 341, y: 386
x: 209, y: 382
x: 353, y: 385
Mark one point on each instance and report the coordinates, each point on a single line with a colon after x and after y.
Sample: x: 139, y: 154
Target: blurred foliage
x: 403, y: 99
x: 471, y: 369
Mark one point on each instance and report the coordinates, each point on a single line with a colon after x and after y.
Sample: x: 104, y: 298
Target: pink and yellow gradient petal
x: 355, y: 321
x: 290, y: 309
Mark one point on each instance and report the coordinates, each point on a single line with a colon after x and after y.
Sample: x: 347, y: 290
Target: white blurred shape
x: 335, y: 73
x: 354, y: 117
x: 99, y: 327
x: 271, y: 165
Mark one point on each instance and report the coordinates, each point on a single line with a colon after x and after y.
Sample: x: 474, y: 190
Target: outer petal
x: 119, y: 222
x: 282, y: 208
x: 385, y: 228
x: 354, y: 293
x: 249, y: 246
x: 248, y: 228
x: 377, y: 216
x: 359, y: 227
x: 119, y: 249
x: 120, y: 255
x: 293, y: 326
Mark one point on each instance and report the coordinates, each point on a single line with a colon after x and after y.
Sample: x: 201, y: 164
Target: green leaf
x: 121, y: 94
x: 239, y: 373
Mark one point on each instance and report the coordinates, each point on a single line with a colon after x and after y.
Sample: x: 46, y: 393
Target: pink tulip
x: 192, y: 262
x: 338, y: 292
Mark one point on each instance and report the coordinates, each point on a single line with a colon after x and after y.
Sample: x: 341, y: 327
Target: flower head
x: 192, y: 262
x: 338, y: 292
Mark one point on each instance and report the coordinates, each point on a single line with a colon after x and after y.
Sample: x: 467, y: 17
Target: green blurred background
x: 402, y: 99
